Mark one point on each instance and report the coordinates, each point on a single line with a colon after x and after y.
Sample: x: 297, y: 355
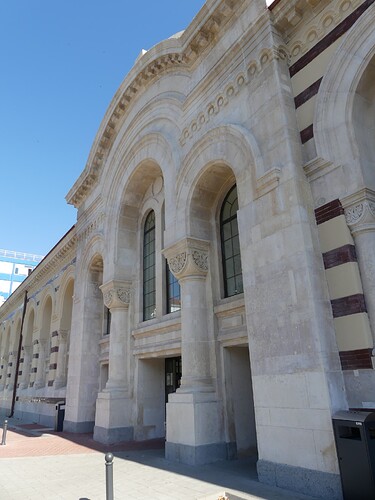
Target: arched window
x: 230, y: 245
x: 149, y: 289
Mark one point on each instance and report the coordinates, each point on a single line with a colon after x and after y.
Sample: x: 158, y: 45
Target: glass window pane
x: 231, y: 287
x: 230, y: 244
x: 228, y: 250
x: 227, y: 233
x: 229, y: 268
x: 149, y: 295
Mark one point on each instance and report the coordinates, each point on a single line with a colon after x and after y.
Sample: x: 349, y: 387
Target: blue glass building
x: 14, y: 268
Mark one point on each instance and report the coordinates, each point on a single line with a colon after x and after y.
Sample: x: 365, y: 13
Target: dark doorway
x: 172, y: 375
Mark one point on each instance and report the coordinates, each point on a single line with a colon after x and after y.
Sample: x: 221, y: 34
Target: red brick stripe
x: 354, y: 360
x: 307, y: 94
x: 330, y: 38
x: 307, y: 133
x: 339, y: 256
x: 345, y: 306
x: 328, y: 211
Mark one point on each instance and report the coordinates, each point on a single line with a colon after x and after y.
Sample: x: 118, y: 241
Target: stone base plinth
x: 114, y: 435
x: 113, y: 417
x: 309, y: 482
x: 195, y: 428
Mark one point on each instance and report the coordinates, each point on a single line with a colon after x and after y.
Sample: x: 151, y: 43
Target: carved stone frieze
x: 177, y: 263
x: 290, y: 17
x: 188, y: 257
x: 360, y: 211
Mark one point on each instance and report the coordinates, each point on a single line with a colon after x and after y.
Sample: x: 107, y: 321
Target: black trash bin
x: 60, y: 414
x: 355, y: 443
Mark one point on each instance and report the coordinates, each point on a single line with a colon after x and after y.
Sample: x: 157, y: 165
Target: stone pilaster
x: 26, y: 366
x: 43, y: 355
x: 113, y: 407
x: 61, y: 369
x: 360, y: 217
x: 9, y: 371
x: 194, y: 429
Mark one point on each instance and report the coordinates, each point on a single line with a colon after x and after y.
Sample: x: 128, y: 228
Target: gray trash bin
x: 60, y: 415
x: 355, y: 443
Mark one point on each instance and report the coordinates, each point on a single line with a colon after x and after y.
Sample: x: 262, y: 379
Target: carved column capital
x: 117, y: 294
x: 360, y: 211
x: 63, y: 336
x: 188, y: 257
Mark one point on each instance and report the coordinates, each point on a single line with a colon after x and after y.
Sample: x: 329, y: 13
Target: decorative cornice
x: 117, y: 294
x: 188, y: 257
x: 318, y: 167
x: 289, y: 15
x: 269, y: 181
x: 231, y: 90
x: 192, y: 43
x: 55, y: 262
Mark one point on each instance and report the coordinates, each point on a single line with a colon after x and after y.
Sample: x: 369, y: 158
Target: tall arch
x: 335, y: 120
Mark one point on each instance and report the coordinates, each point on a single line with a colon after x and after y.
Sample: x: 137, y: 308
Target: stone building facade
x: 218, y: 287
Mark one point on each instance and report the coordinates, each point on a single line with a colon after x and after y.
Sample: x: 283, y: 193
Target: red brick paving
x: 24, y: 441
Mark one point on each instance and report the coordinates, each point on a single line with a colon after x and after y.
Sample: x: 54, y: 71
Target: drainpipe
x: 18, y: 358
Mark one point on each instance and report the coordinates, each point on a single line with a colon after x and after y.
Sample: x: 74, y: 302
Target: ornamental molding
x: 231, y: 90
x: 48, y: 270
x: 91, y: 227
x: 184, y: 52
x: 188, y: 258
x: 305, y: 22
x: 62, y: 336
x: 359, y: 209
x: 268, y: 182
x: 117, y: 294
x: 177, y: 263
x: 319, y: 167
x: 200, y: 259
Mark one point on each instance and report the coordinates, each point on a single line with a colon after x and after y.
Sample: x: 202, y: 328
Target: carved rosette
x: 188, y: 257
x: 116, y: 295
x: 360, y: 217
x: 176, y: 264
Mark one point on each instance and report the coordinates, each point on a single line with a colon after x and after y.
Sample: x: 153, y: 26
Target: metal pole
x: 5, y: 427
x: 109, y: 476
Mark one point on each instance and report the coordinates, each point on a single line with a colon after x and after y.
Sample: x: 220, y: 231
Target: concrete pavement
x: 38, y: 464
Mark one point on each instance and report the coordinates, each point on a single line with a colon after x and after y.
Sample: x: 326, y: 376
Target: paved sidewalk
x: 38, y: 464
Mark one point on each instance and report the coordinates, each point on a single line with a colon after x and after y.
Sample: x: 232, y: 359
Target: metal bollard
x: 109, y: 476
x: 5, y: 427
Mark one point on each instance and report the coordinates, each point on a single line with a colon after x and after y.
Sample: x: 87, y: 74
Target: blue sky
x: 61, y: 63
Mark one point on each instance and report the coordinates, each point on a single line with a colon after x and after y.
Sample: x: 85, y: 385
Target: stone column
x: 360, y: 217
x: 194, y: 419
x: 26, y: 366
x: 61, y: 369
x: 113, y: 420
